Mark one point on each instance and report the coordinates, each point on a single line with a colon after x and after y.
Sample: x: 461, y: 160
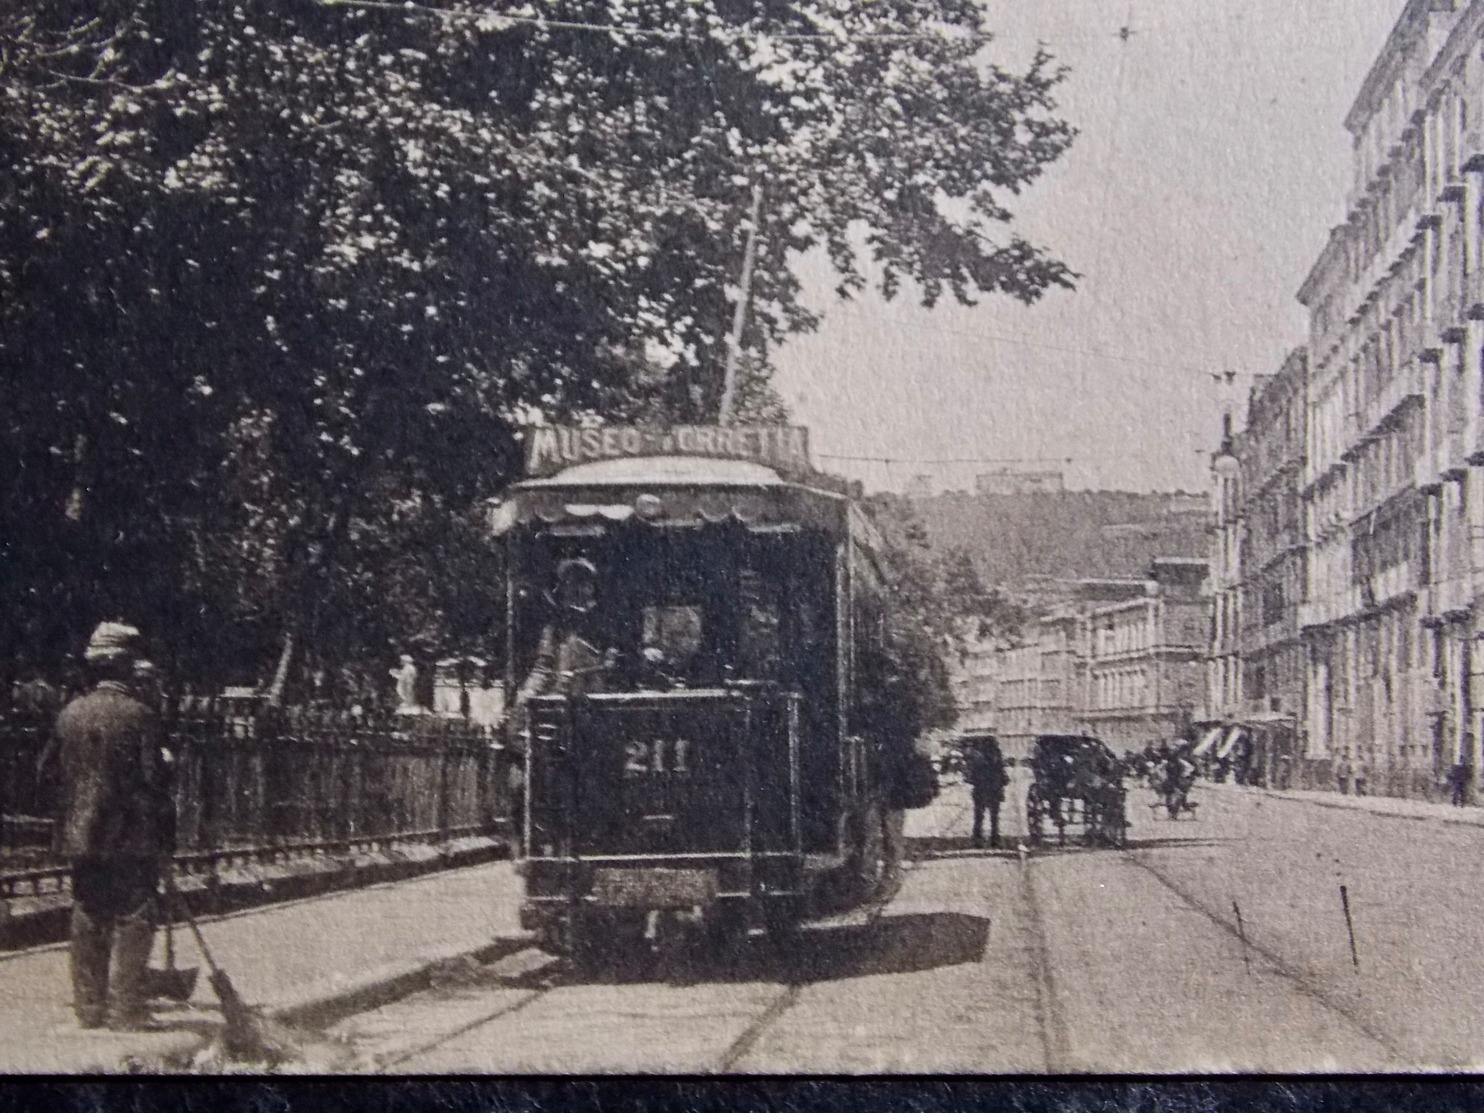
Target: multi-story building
x: 972, y: 679
x: 1116, y: 657
x: 1144, y: 665
x: 1017, y: 717
x: 1272, y: 562
x: 1391, y: 488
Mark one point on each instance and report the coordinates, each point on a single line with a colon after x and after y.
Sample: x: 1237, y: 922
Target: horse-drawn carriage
x: 1077, y: 781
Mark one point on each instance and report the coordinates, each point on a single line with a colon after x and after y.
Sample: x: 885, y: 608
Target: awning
x: 547, y: 505
x: 1234, y: 734
x: 1208, y: 741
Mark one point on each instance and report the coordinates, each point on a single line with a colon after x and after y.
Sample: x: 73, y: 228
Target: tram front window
x: 759, y: 628
x: 673, y: 639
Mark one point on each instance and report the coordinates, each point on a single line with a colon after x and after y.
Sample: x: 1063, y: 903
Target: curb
x: 319, y: 1008
x: 49, y: 925
x: 1344, y: 804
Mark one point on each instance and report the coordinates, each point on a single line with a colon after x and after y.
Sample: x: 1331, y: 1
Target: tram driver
x: 569, y: 659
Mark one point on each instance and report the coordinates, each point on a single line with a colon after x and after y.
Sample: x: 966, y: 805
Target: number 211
x: 642, y: 757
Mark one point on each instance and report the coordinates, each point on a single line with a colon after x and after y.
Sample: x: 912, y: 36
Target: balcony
x: 1451, y: 595
x: 1330, y: 608
x: 1378, y: 269
x: 1393, y: 582
x: 1405, y: 385
x: 1265, y: 636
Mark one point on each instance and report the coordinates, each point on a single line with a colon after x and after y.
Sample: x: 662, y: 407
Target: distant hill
x: 1024, y: 541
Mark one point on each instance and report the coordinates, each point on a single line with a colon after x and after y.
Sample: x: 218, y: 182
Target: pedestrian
x: 892, y: 714
x: 117, y: 830
x: 987, y: 779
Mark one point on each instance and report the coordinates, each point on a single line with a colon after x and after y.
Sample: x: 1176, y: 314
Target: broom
x: 246, y: 1035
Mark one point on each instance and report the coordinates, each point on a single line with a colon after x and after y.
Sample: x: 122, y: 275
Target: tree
x: 940, y: 605
x: 335, y: 253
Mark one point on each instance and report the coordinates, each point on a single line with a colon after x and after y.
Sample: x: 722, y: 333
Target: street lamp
x: 1225, y: 462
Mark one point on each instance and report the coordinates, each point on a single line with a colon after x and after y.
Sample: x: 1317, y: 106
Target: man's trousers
x: 113, y: 902
x: 987, y: 800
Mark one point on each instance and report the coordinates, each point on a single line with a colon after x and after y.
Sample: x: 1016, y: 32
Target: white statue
x: 406, y: 675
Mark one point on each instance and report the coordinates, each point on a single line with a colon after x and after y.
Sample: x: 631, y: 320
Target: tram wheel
x: 726, y: 930
x: 553, y: 938
x: 782, y: 916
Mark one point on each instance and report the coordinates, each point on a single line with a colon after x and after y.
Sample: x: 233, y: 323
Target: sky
x: 1212, y: 161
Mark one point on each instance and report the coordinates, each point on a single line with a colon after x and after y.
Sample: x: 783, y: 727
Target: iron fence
x: 258, y: 783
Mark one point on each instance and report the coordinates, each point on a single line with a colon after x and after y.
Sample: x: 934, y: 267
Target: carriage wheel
x: 1033, y: 816
x: 1092, y: 822
x: 1117, y: 822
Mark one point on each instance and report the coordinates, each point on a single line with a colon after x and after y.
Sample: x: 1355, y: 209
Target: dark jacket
x: 569, y: 665
x: 985, y: 770
x: 117, y: 799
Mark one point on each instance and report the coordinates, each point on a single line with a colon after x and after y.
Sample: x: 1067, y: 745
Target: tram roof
x: 691, y: 491
x: 667, y: 470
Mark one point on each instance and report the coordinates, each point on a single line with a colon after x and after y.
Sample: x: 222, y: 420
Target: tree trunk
x: 304, y: 600
x: 285, y: 662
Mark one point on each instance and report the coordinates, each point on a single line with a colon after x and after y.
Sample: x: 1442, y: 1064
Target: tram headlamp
x: 648, y: 506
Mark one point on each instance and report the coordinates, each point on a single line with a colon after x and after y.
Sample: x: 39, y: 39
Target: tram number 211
x: 657, y: 757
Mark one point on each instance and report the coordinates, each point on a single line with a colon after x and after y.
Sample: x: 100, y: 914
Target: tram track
x: 1280, y: 966
x: 566, y: 977
x: 399, y: 1058
x: 749, y: 1011
x: 1055, y: 1044
x: 1295, y: 976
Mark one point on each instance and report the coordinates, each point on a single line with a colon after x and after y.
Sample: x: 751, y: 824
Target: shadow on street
x: 890, y: 944
x: 926, y: 849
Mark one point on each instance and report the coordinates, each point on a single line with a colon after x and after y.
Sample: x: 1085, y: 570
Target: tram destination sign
x: 552, y: 449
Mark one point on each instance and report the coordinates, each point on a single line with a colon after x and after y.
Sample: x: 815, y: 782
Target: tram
x: 694, y: 616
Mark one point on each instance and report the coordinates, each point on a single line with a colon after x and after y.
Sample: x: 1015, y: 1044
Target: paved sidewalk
x: 279, y: 957
x: 1372, y: 804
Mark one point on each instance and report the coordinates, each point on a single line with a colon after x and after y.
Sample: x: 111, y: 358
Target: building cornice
x: 1378, y: 80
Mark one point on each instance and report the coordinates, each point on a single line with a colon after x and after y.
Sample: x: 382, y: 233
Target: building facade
x: 1272, y: 560
x: 1144, y: 666
x: 1117, y: 658
x: 1391, y: 488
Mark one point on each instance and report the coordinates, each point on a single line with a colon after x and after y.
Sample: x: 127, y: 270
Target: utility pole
x: 739, y: 315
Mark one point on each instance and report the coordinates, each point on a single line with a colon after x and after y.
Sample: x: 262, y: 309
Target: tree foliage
x: 280, y: 280
x: 940, y: 606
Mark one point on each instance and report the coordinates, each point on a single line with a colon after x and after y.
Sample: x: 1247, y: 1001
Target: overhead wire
x: 1028, y: 343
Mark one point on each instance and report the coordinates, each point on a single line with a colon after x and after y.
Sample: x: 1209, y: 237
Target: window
x: 672, y: 637
x: 758, y: 629
x: 1255, y: 678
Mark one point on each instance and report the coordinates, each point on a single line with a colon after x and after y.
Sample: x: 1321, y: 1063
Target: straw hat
x: 112, y: 641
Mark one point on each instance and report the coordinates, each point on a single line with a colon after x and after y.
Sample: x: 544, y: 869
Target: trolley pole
x: 739, y: 315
